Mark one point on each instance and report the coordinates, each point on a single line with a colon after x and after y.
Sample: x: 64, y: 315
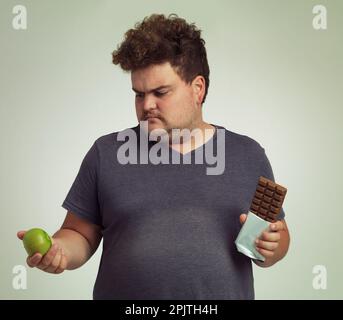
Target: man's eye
x: 139, y: 95
x: 159, y: 94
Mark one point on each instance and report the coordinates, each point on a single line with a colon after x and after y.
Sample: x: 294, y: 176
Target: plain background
x: 273, y: 77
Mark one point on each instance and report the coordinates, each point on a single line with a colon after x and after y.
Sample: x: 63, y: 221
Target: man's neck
x: 205, y: 133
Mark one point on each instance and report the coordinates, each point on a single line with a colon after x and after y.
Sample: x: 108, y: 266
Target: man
x: 168, y: 229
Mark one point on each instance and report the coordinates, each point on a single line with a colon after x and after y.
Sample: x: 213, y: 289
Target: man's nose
x: 149, y: 102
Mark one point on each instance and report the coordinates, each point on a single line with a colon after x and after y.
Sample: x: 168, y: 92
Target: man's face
x: 164, y: 99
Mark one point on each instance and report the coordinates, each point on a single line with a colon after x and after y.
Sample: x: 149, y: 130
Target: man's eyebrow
x: 152, y: 90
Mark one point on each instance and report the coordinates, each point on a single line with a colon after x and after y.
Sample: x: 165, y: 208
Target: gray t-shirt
x: 169, y: 229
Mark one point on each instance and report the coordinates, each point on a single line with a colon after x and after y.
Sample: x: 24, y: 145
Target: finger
x: 63, y: 264
x: 20, y: 234
x: 34, y: 260
x: 48, y: 257
x: 55, y: 262
x: 265, y: 253
x: 59, y: 270
x: 267, y: 245
x: 242, y: 218
x: 277, y: 226
x: 270, y: 236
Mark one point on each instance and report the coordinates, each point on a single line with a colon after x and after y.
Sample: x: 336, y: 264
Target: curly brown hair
x: 158, y: 39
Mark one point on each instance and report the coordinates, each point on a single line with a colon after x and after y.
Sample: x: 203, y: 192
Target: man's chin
x: 157, y: 131
x: 153, y: 126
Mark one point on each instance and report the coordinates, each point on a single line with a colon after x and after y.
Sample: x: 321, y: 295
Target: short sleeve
x: 82, y: 198
x: 267, y: 171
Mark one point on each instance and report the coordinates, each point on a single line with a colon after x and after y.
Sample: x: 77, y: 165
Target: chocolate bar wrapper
x: 265, y: 208
x: 250, y: 231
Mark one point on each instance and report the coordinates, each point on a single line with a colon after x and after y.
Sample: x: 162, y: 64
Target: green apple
x: 37, y: 240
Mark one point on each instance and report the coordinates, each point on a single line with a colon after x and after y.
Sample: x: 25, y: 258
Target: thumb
x: 242, y: 218
x: 20, y: 234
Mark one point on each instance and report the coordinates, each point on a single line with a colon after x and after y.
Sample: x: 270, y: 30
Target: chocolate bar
x: 268, y: 199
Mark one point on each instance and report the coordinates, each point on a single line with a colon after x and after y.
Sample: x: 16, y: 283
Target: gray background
x: 273, y: 77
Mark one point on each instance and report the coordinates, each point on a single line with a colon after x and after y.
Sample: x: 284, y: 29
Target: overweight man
x: 168, y: 197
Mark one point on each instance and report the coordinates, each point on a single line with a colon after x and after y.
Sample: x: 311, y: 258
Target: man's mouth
x: 150, y: 117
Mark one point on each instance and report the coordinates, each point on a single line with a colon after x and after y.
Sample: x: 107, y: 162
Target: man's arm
x: 73, y: 245
x: 79, y: 238
x: 273, y: 244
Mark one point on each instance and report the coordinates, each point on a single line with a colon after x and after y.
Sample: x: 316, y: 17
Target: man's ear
x: 198, y: 85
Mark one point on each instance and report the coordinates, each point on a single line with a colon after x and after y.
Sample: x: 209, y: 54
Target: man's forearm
x: 75, y: 246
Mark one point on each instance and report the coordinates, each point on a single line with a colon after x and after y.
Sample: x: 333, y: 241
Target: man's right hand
x: 54, y: 261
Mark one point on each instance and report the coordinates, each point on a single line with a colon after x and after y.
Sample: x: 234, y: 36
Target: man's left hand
x: 273, y: 243
x: 268, y: 242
